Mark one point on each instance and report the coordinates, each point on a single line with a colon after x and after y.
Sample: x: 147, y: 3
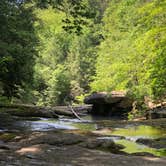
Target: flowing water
x: 122, y: 133
x: 133, y: 133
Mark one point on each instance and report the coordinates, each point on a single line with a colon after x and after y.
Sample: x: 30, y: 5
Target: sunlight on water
x: 132, y: 133
x: 52, y: 124
x: 140, y: 132
x: 132, y: 147
x: 84, y: 126
x: 126, y: 136
x: 45, y: 126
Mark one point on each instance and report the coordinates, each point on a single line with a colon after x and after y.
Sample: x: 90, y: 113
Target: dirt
x: 66, y: 149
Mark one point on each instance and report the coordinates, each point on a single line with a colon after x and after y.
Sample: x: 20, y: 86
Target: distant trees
x: 76, y: 13
x: 66, y: 61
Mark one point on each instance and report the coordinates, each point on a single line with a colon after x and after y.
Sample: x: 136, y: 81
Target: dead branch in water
x: 76, y: 115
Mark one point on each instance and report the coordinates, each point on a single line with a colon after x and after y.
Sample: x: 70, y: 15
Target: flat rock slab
x: 115, y: 103
x: 64, y: 149
x: 105, y: 97
x: 73, y: 155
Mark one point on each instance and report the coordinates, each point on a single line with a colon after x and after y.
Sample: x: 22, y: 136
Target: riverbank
x: 63, y: 148
x: 68, y: 141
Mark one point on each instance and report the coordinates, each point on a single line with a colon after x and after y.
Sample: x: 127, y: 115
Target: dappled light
x: 153, y: 159
x: 83, y: 82
x: 31, y: 149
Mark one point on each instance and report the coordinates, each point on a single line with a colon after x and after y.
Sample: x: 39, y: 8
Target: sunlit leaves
x: 132, y: 55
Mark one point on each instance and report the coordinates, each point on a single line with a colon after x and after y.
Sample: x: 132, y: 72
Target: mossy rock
x: 6, y: 137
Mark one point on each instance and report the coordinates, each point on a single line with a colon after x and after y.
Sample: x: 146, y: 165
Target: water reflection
x: 142, y: 131
x: 52, y: 124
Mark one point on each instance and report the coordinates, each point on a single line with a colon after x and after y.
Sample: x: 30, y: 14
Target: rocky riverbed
x: 67, y: 141
x: 60, y: 148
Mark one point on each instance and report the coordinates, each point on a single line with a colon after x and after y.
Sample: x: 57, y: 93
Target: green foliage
x: 17, y: 41
x: 82, y: 46
x: 132, y: 56
x: 58, y: 87
x: 66, y: 61
x: 77, y: 13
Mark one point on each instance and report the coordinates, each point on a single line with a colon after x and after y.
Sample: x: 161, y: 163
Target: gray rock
x: 115, y: 103
x: 156, y: 113
x: 107, y: 145
x: 158, y: 143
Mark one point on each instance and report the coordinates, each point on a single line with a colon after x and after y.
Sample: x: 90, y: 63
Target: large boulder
x: 113, y: 103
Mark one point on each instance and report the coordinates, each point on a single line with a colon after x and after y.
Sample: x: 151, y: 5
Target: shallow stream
x: 118, y: 131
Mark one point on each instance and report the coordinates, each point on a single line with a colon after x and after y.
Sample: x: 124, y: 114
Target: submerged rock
x: 143, y: 154
x: 154, y: 143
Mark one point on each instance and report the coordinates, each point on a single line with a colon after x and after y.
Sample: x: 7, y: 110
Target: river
x: 122, y: 132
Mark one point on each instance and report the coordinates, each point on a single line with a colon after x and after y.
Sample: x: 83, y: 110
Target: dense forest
x: 52, y: 51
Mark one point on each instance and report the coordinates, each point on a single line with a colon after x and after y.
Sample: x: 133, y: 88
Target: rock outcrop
x: 115, y: 103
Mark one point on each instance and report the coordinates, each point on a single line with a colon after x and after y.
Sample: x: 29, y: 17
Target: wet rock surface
x: 60, y: 148
x: 101, y: 144
x: 72, y: 147
x: 143, y: 154
x: 156, y: 113
x: 154, y: 143
x: 52, y: 138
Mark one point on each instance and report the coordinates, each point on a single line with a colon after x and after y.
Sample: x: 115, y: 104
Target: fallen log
x: 38, y: 111
x: 28, y: 111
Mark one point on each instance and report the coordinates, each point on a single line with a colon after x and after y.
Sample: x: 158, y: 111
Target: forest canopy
x: 54, y: 51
